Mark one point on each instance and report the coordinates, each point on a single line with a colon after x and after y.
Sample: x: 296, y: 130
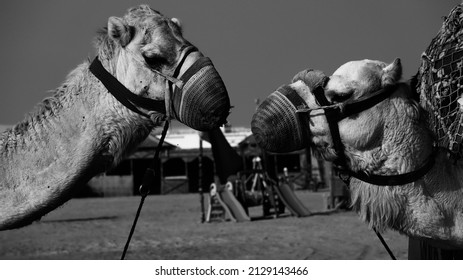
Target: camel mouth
x: 203, y: 91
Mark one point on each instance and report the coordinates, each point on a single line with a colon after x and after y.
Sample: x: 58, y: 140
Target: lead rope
x: 384, y: 244
x: 346, y: 179
x: 144, y: 188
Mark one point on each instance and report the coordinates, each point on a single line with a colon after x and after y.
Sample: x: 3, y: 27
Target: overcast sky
x: 255, y: 45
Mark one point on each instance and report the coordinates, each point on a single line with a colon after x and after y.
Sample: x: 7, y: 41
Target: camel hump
x: 439, y: 83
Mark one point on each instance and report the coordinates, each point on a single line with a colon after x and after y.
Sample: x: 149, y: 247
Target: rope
x: 384, y: 244
x: 126, y: 247
x: 144, y: 188
x: 346, y: 179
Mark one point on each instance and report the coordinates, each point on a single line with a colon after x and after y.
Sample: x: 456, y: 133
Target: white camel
x: 389, y: 138
x: 84, y: 130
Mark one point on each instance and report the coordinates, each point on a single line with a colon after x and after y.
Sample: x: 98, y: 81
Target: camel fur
x: 390, y: 138
x: 83, y: 130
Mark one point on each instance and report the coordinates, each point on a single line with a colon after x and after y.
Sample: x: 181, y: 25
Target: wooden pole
x: 200, y: 179
x: 308, y: 170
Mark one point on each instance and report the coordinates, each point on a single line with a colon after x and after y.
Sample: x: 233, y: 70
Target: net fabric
x: 440, y: 83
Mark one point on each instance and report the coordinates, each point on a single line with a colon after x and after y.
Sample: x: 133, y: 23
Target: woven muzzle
x: 203, y: 102
x: 276, y: 125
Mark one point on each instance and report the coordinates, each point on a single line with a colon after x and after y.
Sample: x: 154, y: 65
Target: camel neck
x: 77, y: 134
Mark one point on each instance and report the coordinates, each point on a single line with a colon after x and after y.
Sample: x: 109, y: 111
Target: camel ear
x: 177, y: 22
x: 392, y: 73
x: 119, y: 31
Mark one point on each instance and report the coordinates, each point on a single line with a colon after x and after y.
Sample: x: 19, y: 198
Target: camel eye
x: 338, y: 97
x: 155, y: 60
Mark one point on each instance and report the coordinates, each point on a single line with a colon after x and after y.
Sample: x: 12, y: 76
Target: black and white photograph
x: 232, y: 130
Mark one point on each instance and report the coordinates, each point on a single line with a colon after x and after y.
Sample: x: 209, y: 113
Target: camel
x: 390, y: 137
x: 83, y: 130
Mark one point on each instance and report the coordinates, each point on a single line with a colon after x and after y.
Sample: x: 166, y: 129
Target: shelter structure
x: 305, y: 173
x: 179, y: 164
x: 127, y: 176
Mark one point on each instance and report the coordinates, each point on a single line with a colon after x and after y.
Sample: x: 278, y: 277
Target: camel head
x: 280, y: 126
x: 147, y: 53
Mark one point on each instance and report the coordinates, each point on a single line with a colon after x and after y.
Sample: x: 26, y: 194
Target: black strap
x: 394, y: 180
x: 320, y: 96
x: 333, y: 116
x: 177, y: 72
x: 292, y: 96
x: 336, y: 114
x: 179, y: 65
x: 122, y: 94
x: 366, y: 102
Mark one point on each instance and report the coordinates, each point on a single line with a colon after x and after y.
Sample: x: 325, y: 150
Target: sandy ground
x: 170, y: 228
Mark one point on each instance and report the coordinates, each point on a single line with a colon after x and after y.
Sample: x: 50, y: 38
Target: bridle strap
x: 334, y: 114
x: 366, y: 102
x: 393, y: 180
x: 180, y: 64
x: 320, y: 96
x: 333, y: 117
x: 349, y: 108
x: 292, y: 96
x: 177, y: 72
x: 128, y: 98
x: 122, y: 94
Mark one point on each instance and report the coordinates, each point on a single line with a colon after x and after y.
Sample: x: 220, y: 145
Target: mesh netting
x: 441, y: 83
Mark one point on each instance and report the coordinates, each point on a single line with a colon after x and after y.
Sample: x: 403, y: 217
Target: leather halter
x: 336, y: 112
x: 128, y: 98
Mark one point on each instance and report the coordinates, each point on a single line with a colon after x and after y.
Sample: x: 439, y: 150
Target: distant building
x: 126, y: 178
x: 178, y: 167
x: 179, y: 164
x: 295, y: 162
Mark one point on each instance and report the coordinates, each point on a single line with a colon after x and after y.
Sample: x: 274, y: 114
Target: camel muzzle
x: 199, y: 100
x: 202, y: 102
x: 276, y: 125
x: 280, y: 124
